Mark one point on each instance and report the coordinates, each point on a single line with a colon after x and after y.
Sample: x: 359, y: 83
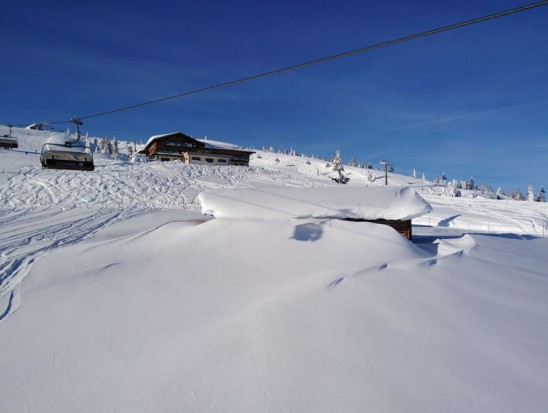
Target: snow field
x: 117, y: 294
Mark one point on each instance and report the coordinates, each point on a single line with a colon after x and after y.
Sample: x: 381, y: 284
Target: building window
x: 209, y: 160
x: 196, y: 158
x: 221, y: 160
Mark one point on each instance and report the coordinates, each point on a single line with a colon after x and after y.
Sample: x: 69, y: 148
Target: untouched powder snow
x: 118, y: 294
x: 172, y: 314
x: 367, y: 203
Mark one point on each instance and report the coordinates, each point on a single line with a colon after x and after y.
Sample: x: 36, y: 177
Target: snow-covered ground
x: 118, y: 294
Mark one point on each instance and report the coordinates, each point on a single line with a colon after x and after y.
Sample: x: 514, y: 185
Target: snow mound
x: 367, y: 203
x: 455, y: 245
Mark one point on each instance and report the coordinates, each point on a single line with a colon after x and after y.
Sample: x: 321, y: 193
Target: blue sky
x: 469, y: 102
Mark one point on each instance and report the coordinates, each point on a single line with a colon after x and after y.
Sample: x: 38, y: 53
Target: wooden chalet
x: 178, y: 146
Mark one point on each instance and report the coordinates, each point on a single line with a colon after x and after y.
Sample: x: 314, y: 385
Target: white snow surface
x: 369, y: 203
x: 222, y: 145
x: 58, y: 143
x: 118, y: 294
x: 208, y: 142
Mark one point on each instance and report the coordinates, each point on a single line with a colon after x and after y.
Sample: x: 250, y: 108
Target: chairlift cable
x: 322, y: 60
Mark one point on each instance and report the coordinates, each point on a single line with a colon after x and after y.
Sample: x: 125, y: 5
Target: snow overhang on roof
x: 367, y: 203
x: 223, y: 145
x: 153, y: 138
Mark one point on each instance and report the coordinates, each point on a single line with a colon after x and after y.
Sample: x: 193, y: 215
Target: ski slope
x: 118, y: 294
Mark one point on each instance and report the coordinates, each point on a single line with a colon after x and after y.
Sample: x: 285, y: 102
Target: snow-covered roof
x: 368, y: 203
x: 221, y: 145
x: 211, y: 144
x: 153, y: 138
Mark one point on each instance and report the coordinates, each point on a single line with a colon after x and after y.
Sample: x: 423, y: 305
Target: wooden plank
x: 403, y: 227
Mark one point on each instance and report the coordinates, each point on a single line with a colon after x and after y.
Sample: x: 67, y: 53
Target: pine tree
x: 542, y: 195
x: 338, y: 169
x: 471, y: 184
x: 103, y: 145
x: 115, y: 151
x: 530, y: 194
x: 452, y: 188
x: 516, y: 195
x: 129, y: 151
x: 500, y: 193
x: 352, y: 162
x: 443, y: 179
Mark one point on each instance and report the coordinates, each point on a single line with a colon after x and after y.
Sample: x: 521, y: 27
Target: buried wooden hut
x: 391, y: 206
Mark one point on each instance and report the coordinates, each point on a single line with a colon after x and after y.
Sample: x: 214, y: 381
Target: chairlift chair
x: 8, y: 141
x: 67, y: 154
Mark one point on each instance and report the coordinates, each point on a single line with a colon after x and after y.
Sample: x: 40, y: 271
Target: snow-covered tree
x: 337, y: 164
x: 541, y: 195
x: 485, y: 188
x: 452, y: 188
x: 338, y: 169
x: 471, y: 185
x: 516, y: 195
x: 115, y: 151
x: 103, y: 145
x: 530, y: 194
x: 129, y: 151
x: 352, y: 162
x: 109, y: 148
x: 500, y: 193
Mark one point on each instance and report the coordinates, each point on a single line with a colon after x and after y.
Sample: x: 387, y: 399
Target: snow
x: 154, y: 137
x: 208, y: 142
x: 60, y: 144
x: 118, y: 294
x: 368, y: 203
x: 221, y: 145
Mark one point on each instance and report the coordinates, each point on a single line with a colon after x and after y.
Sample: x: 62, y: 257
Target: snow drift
x: 368, y: 203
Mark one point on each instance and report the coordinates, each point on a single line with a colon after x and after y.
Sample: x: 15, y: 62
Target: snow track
x: 42, y: 210
x: 486, y: 215
x: 24, y: 241
x: 117, y: 185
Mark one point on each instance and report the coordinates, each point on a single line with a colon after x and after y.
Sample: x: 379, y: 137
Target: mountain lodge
x: 178, y: 146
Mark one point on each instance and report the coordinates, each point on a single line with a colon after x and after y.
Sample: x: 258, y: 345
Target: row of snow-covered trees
x: 293, y: 152
x: 112, y: 147
x: 107, y: 147
x: 454, y: 187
